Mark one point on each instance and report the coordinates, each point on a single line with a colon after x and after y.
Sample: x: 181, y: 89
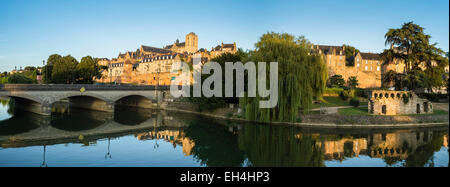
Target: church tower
x: 191, y: 45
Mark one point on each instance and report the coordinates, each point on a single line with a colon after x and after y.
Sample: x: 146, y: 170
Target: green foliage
x: 405, y: 99
x: 3, y: 80
x: 350, y: 53
x: 333, y: 91
x: 87, y: 69
x: 344, y: 95
x: 336, y: 81
x: 412, y: 47
x: 20, y: 79
x: 301, y: 77
x: 65, y: 70
x: 359, y: 92
x: 435, y: 97
x: 212, y: 103
x: 352, y: 82
x: 354, y: 102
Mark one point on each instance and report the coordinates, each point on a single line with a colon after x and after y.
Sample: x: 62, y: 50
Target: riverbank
x: 328, y: 120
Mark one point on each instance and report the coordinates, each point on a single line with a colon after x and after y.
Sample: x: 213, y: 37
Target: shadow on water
x: 132, y: 116
x: 79, y: 120
x: 18, y: 124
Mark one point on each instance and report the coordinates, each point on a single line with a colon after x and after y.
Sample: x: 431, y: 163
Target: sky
x: 31, y: 30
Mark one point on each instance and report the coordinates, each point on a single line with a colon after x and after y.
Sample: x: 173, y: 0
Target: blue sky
x: 31, y: 30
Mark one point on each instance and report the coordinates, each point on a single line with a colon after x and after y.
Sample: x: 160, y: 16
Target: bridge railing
x: 77, y: 87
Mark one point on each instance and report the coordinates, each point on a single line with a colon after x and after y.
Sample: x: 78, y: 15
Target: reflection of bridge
x: 44, y: 130
x: 39, y: 98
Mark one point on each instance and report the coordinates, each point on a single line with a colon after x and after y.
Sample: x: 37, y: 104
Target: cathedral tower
x: 191, y: 45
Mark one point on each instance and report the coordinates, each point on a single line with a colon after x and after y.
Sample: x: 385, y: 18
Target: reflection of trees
x: 267, y: 145
x: 214, y: 145
x: 423, y: 155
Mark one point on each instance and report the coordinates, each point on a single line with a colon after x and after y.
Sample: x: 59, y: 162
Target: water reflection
x: 184, y: 138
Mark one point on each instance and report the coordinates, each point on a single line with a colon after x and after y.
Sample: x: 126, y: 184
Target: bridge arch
x: 136, y: 100
x: 26, y: 97
x: 86, y: 95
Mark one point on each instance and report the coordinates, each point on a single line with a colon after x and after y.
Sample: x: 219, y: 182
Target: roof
x: 182, y: 44
x: 370, y: 56
x: 328, y: 49
x: 154, y: 49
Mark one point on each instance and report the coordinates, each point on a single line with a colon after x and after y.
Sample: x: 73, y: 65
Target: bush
x: 333, y: 91
x: 19, y: 79
x: 435, y: 97
x: 354, y: 102
x: 405, y: 99
x: 361, y: 93
x: 344, y: 95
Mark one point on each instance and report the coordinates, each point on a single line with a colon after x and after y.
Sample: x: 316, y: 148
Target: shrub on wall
x: 405, y: 99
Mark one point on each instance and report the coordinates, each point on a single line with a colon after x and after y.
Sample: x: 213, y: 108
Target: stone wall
x: 383, y: 102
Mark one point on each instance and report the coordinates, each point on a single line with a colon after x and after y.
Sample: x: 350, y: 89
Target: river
x: 136, y: 137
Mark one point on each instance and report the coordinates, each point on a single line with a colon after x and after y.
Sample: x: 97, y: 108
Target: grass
x: 360, y: 111
x: 435, y: 112
x: 334, y: 102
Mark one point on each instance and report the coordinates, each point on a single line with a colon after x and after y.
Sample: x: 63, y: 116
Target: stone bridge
x: 39, y: 98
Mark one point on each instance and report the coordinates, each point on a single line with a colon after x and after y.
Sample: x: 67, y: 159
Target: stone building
x: 224, y: 48
x: 151, y: 65
x: 382, y: 102
x: 189, y: 46
x: 367, y: 67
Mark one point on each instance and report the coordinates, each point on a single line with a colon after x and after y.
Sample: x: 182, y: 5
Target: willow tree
x: 301, y: 77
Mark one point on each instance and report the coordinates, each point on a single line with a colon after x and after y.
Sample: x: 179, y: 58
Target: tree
x: 47, y: 70
x: 65, y: 70
x: 336, y: 81
x: 19, y: 79
x: 389, y: 78
x: 352, y: 82
x: 88, y: 69
x: 411, y: 45
x: 204, y: 103
x: 301, y: 77
x: 350, y: 53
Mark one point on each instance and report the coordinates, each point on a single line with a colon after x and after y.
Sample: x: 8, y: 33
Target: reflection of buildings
x: 176, y: 137
x: 445, y: 141
x: 395, y: 144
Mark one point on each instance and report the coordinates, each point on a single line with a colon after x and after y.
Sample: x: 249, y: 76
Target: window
x: 366, y: 61
x: 366, y: 68
x: 357, y: 65
x: 378, y: 68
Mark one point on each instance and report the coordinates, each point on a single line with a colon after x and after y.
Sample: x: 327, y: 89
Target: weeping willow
x: 301, y: 77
